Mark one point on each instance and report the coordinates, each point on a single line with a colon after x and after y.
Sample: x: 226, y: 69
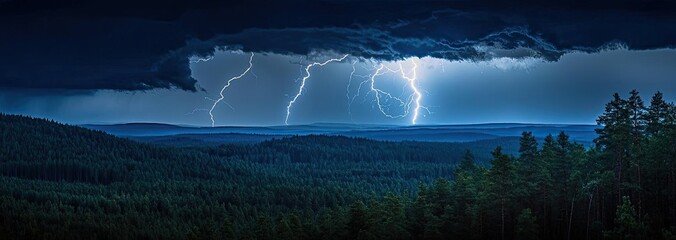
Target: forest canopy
x: 66, y: 182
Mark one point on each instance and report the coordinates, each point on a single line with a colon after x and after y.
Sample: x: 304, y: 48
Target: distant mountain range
x: 190, y: 135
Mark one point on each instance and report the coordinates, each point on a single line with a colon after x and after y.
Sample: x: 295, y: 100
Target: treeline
x: 65, y: 182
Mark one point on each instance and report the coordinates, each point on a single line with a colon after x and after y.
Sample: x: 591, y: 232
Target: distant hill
x: 39, y: 149
x: 193, y: 136
x: 210, y: 139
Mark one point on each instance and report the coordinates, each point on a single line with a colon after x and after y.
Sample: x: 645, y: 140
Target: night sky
x: 473, y: 61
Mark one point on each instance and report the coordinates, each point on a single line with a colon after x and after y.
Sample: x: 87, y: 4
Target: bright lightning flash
x: 216, y: 101
x: 302, y: 84
x: 410, y: 104
x: 347, y: 93
x: 416, y: 93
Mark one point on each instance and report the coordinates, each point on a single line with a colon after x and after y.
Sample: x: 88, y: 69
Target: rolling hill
x: 194, y: 136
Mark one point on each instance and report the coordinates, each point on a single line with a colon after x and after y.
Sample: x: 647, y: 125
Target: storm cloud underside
x: 124, y: 45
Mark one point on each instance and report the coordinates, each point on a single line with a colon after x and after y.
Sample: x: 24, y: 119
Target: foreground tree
x: 500, y: 180
x: 526, y: 226
x: 627, y: 224
x: 615, y: 137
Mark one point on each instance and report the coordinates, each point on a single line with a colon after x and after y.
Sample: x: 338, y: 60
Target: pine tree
x: 440, y: 196
x: 420, y: 213
x: 296, y: 226
x: 526, y: 168
x: 501, y: 183
x: 526, y: 225
x: 660, y: 152
x: 615, y: 137
x: 393, y: 219
x: 528, y: 147
x: 467, y: 165
x: 283, y: 229
x: 264, y: 228
x: 465, y: 194
x: 657, y: 115
x: 547, y: 158
x: 226, y: 230
x: 627, y: 224
x: 637, y: 116
x: 358, y: 220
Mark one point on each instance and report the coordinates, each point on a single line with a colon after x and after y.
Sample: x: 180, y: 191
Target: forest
x: 66, y: 182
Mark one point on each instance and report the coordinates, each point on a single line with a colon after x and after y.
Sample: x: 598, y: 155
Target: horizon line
x: 332, y: 123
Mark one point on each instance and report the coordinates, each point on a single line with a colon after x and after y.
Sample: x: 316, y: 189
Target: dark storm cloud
x: 388, y: 44
x: 127, y: 45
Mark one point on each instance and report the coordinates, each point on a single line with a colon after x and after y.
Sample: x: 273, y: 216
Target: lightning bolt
x: 361, y: 84
x: 411, y: 104
x: 378, y: 92
x: 302, y: 84
x: 350, y: 99
x: 199, y: 59
x: 416, y: 96
x: 347, y: 93
x: 216, y: 101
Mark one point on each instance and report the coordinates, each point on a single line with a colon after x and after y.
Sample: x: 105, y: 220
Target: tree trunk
x: 640, y: 190
x: 619, y: 178
x: 544, y: 214
x: 601, y: 211
x: 570, y: 219
x: 591, y: 196
x: 481, y: 224
x: 672, y: 197
x: 502, y: 212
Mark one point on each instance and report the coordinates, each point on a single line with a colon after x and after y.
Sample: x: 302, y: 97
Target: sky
x: 398, y: 62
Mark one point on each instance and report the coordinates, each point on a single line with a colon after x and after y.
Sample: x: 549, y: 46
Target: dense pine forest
x: 66, y: 182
